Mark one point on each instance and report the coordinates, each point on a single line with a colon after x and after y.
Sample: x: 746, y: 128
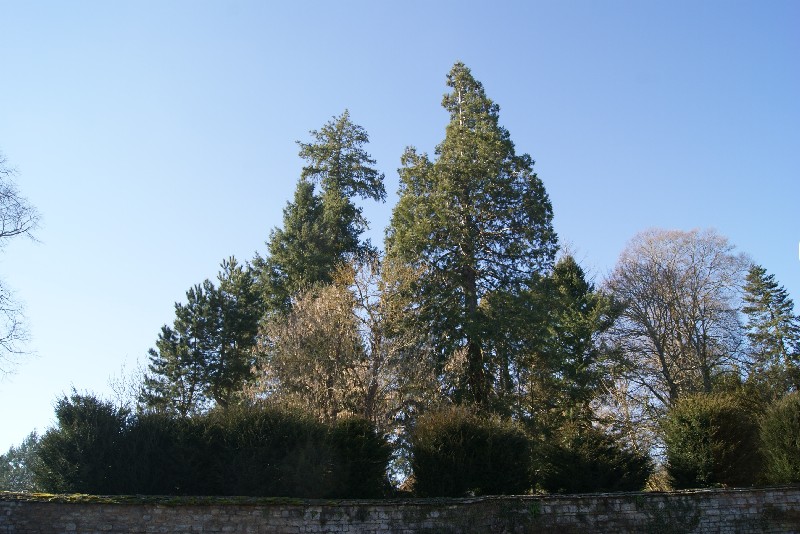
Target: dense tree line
x: 469, y: 356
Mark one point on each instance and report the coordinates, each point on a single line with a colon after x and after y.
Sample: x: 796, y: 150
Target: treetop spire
x: 468, y: 97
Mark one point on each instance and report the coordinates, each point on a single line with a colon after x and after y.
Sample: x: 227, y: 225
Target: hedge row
x: 780, y: 439
x: 458, y: 452
x: 99, y: 449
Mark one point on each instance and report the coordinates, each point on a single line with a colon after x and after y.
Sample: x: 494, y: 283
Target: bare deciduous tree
x: 680, y: 328
x: 333, y: 353
x: 17, y: 218
x: 309, y: 357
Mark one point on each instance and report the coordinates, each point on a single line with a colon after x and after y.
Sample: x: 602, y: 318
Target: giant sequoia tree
x: 473, y: 222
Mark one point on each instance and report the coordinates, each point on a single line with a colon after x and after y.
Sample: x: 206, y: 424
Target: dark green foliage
x: 82, y: 454
x: 97, y: 448
x: 712, y: 440
x: 16, y: 466
x: 474, y: 222
x: 205, y: 358
x: 578, y: 315
x: 458, y: 452
x: 780, y: 438
x: 268, y: 452
x: 166, y: 455
x: 271, y: 452
x: 337, y: 161
x: 589, y: 460
x: 176, y: 381
x: 239, y: 310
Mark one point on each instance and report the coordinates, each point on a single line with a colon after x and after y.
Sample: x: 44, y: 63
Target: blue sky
x: 157, y: 138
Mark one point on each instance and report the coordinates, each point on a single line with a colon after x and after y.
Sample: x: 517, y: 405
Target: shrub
x: 780, y: 438
x: 458, y: 452
x: 266, y: 451
x: 712, y: 440
x: 82, y: 453
x: 590, y: 460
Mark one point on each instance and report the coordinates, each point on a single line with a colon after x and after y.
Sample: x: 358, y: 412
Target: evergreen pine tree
x: 238, y: 312
x: 206, y: 356
x: 177, y: 377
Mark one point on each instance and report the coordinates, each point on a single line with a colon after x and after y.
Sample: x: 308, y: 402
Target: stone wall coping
x: 174, y: 501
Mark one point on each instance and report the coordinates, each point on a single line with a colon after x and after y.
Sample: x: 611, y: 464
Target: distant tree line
x: 467, y: 357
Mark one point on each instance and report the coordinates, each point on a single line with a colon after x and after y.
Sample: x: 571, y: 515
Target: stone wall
x: 744, y: 511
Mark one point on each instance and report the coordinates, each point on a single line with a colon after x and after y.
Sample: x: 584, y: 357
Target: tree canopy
x: 206, y: 357
x: 680, y: 326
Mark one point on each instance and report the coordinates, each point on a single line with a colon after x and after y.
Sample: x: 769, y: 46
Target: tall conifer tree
x: 563, y: 360
x: 474, y: 221
x: 322, y: 228
x: 300, y: 253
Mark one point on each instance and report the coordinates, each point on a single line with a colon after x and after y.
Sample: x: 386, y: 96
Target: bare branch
x: 17, y: 217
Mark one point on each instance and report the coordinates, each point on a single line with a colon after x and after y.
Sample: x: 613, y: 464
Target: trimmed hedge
x: 362, y: 457
x: 459, y: 452
x: 243, y: 451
